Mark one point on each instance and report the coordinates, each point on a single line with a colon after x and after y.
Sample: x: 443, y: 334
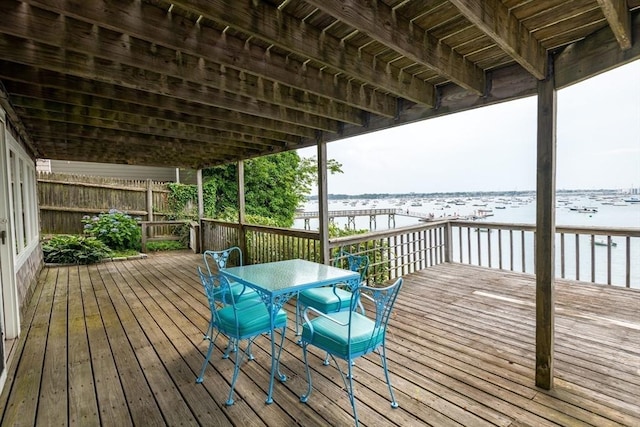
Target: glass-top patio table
x: 277, y: 282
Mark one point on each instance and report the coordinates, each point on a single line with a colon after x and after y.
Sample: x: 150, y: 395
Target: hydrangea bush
x: 115, y: 229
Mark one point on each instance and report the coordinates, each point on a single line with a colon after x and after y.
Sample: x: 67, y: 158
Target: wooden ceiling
x: 195, y: 83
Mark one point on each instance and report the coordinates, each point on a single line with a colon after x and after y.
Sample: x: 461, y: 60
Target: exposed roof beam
x: 84, y: 133
x: 494, y: 19
x: 48, y: 97
x: 37, y: 26
x: 381, y: 23
x: 266, y: 22
x: 595, y: 55
x: 66, y: 70
x: 118, y: 151
x: 150, y: 23
x: 619, y: 19
x: 505, y: 84
x: 149, y: 118
x: 53, y: 121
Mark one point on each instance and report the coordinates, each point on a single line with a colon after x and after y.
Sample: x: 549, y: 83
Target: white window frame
x: 22, y: 201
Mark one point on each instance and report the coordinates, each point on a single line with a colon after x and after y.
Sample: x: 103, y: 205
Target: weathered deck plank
x: 83, y: 402
x: 121, y: 344
x: 54, y: 385
x: 112, y: 402
x: 20, y: 398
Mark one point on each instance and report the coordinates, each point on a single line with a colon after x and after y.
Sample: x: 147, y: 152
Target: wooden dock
x: 120, y: 344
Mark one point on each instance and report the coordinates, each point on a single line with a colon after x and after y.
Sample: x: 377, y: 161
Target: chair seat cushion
x: 326, y: 299
x: 332, y: 337
x: 253, y: 319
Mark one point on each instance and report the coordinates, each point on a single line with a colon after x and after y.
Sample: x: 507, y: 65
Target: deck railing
x: 261, y: 244
x: 152, y: 231
x: 597, y: 254
x: 393, y: 253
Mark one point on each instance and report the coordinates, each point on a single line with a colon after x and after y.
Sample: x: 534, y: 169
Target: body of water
x: 591, y: 210
x: 610, y: 211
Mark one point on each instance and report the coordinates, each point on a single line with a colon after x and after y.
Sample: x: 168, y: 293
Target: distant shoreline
x: 527, y: 193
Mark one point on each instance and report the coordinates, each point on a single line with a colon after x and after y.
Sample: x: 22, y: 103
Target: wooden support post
x: 149, y: 205
x: 242, y: 238
x: 448, y: 242
x: 200, y: 204
x: 149, y: 200
x: 323, y: 202
x: 545, y: 230
x: 143, y: 242
x: 200, y: 194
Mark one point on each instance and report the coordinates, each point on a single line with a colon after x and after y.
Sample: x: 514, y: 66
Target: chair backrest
x: 216, y: 260
x: 383, y: 299
x: 357, y: 263
x: 221, y: 300
x: 216, y: 287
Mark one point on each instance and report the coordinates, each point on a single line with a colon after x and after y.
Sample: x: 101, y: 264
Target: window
x: 23, y: 197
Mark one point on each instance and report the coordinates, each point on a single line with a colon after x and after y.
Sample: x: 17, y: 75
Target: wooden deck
x: 121, y: 343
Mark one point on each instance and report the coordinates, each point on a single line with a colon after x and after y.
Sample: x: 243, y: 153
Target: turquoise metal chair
x: 218, y: 260
x: 349, y: 334
x: 332, y: 299
x: 238, y: 321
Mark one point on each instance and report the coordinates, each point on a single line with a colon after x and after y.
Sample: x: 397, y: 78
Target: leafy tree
x: 183, y: 200
x: 274, y: 187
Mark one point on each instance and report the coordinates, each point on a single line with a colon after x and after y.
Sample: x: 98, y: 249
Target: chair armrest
x: 307, y: 320
x: 367, y: 296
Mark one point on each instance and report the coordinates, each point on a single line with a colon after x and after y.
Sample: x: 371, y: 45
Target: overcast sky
x: 494, y: 148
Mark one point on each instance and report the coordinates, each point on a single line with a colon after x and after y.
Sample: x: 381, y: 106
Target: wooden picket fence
x: 65, y: 199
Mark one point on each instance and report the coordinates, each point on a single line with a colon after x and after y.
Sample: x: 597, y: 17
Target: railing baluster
x: 511, y: 249
x: 522, y: 243
x: 593, y: 258
x: 562, y: 260
x: 460, y: 244
x: 608, y: 260
x: 577, y: 256
x: 430, y: 242
x: 469, y: 244
x: 628, y: 262
x: 489, y: 231
x: 500, y: 249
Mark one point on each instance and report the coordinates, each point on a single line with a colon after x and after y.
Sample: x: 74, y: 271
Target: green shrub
x: 70, y: 249
x: 115, y: 229
x: 165, y: 245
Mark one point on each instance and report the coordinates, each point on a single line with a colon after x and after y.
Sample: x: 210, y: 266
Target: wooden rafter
x: 213, y: 94
x: 218, y: 50
x: 59, y: 99
x: 619, y: 20
x: 76, y: 125
x: 493, y: 18
x: 150, y: 121
x: 381, y: 23
x: 275, y: 27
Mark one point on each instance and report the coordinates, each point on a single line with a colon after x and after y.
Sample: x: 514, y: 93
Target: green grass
x: 124, y: 253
